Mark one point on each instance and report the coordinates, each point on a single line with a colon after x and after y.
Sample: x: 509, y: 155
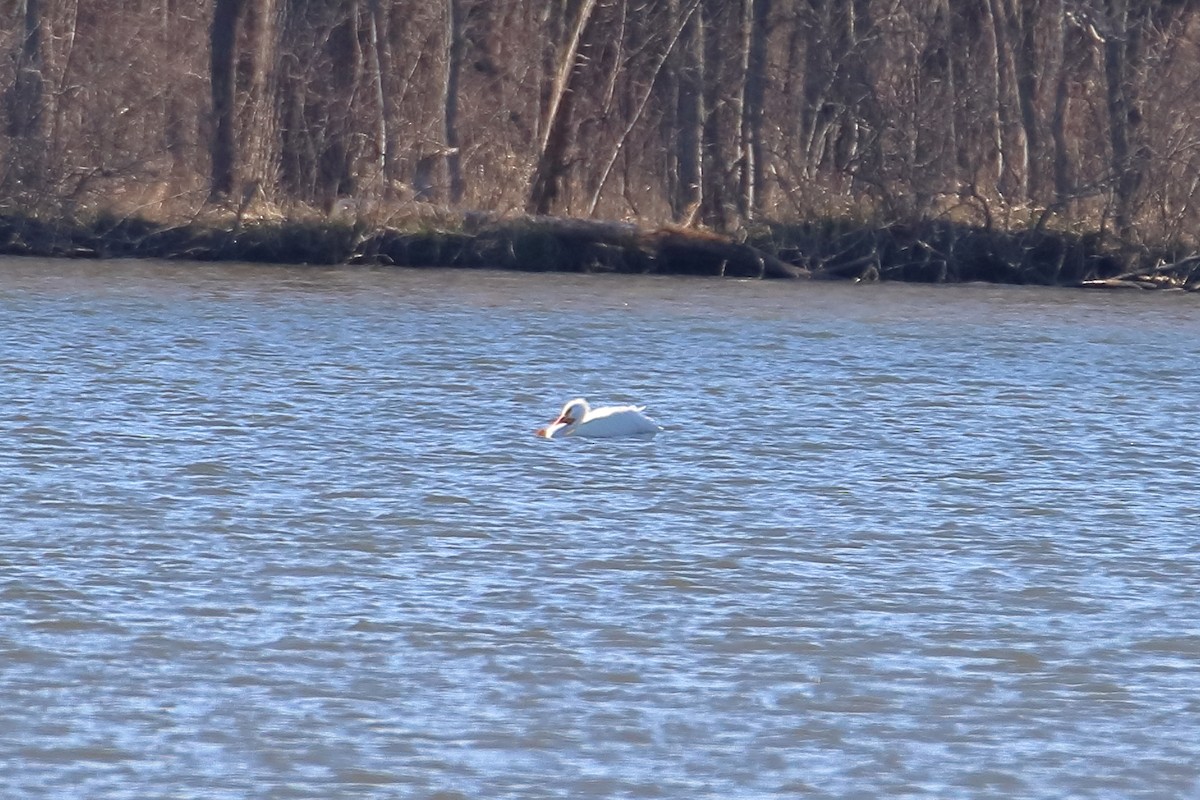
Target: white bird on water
x: 577, y: 418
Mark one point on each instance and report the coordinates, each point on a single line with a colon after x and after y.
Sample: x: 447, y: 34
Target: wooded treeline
x: 1014, y: 113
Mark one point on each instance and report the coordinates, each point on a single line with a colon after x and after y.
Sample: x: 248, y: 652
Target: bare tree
x: 223, y: 41
x: 685, y: 112
x: 1076, y: 38
x: 681, y: 19
x: 453, y: 68
x: 380, y: 76
x: 322, y: 136
x: 715, y: 163
x: 666, y: 109
x: 1023, y: 17
x: 26, y: 103
x: 755, y: 21
x: 839, y: 117
x: 257, y: 119
x: 551, y: 149
x: 1122, y: 56
x: 243, y: 141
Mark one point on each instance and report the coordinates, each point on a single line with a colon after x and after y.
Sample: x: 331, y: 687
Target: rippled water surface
x: 286, y: 533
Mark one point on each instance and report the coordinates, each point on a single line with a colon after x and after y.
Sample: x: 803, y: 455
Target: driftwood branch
x: 1178, y: 274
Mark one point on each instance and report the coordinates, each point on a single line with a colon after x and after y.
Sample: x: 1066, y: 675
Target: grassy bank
x: 923, y: 251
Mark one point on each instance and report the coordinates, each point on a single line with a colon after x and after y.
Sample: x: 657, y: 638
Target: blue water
x: 287, y: 533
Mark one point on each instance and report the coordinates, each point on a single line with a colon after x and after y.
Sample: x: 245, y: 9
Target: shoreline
x: 924, y: 251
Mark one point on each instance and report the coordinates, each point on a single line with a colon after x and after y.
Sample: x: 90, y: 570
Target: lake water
x: 272, y: 532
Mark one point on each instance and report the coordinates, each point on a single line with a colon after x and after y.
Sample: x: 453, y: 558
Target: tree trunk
x: 256, y: 123
x: 335, y: 178
x: 454, y: 54
x: 998, y: 73
x: 27, y: 103
x: 754, y: 21
x: 556, y: 134
x: 1062, y: 99
x: 1028, y: 65
x: 964, y: 38
x: 383, y: 147
x: 1122, y: 54
x: 679, y: 20
x: 687, y: 110
x: 836, y: 93
x: 713, y: 160
x: 175, y: 140
x: 223, y: 39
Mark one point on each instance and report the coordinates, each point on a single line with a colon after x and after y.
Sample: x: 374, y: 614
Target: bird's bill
x: 553, y: 428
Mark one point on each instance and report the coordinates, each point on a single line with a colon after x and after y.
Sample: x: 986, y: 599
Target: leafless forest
x: 1064, y: 114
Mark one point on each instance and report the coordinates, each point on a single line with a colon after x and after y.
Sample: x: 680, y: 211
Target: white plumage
x: 577, y: 418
